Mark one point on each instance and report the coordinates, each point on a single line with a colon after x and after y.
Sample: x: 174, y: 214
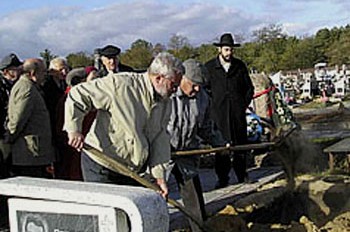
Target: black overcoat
x: 231, y: 94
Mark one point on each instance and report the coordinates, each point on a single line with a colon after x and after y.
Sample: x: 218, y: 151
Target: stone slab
x: 147, y: 210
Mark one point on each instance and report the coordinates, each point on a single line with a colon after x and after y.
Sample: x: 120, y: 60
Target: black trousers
x: 31, y: 171
x: 93, y: 172
x: 5, y: 160
x: 223, y: 164
x: 192, y: 196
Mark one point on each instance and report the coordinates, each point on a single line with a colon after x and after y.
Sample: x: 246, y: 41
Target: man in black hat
x: 10, y: 70
x: 110, y: 61
x: 231, y: 91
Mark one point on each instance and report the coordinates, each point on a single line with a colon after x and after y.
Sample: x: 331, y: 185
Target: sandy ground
x: 318, y: 203
x: 310, y: 198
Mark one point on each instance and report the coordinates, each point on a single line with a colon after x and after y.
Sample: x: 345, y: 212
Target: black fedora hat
x: 227, y: 40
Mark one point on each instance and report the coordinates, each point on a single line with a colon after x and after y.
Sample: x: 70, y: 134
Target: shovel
x: 118, y: 166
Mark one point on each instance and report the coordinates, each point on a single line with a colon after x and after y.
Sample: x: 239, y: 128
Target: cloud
x: 72, y: 29
x: 66, y: 30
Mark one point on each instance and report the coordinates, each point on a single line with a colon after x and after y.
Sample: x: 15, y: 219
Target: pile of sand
x: 318, y: 203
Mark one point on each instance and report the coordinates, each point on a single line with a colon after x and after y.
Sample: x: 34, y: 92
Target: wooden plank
x: 217, y: 199
x: 341, y: 146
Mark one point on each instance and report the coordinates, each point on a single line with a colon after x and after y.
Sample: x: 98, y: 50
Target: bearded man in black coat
x: 231, y: 90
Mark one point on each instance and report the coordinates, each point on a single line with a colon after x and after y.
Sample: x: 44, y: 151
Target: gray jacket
x: 190, y: 127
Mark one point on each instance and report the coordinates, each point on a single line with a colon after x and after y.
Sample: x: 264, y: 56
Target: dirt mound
x: 317, y: 204
x: 227, y: 220
x: 340, y: 223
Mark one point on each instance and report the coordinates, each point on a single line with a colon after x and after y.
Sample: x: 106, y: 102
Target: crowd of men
x: 138, y: 118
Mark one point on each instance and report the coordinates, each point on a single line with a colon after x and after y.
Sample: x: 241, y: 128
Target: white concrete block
x: 146, y: 210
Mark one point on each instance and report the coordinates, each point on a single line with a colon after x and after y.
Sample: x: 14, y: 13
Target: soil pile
x: 316, y: 204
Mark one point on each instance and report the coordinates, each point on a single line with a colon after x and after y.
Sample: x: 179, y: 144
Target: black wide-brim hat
x: 227, y: 40
x: 109, y: 51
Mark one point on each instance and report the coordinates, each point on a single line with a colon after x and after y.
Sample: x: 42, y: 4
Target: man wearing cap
x: 232, y: 91
x: 110, y: 61
x: 130, y: 126
x: 10, y: 70
x: 190, y: 127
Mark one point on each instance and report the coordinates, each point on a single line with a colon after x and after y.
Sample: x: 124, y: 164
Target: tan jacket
x: 130, y: 123
x: 29, y: 125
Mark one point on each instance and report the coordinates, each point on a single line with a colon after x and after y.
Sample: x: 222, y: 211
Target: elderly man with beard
x: 231, y: 90
x: 132, y: 115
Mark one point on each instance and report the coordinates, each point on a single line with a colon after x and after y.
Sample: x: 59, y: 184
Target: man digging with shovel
x: 130, y: 126
x: 129, y: 132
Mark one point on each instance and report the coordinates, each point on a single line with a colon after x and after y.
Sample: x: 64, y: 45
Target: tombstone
x: 60, y: 206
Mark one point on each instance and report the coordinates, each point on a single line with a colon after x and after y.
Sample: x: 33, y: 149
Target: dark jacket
x: 231, y: 94
x: 190, y: 127
x: 5, y: 88
x: 52, y: 95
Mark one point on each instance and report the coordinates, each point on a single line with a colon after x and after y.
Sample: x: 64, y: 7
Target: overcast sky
x: 27, y: 27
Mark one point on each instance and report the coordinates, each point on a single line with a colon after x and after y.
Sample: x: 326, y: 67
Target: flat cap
x: 109, y: 51
x: 11, y: 60
x: 195, y: 71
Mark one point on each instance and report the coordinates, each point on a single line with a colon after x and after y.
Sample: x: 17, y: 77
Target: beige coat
x: 29, y: 125
x: 130, y: 123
